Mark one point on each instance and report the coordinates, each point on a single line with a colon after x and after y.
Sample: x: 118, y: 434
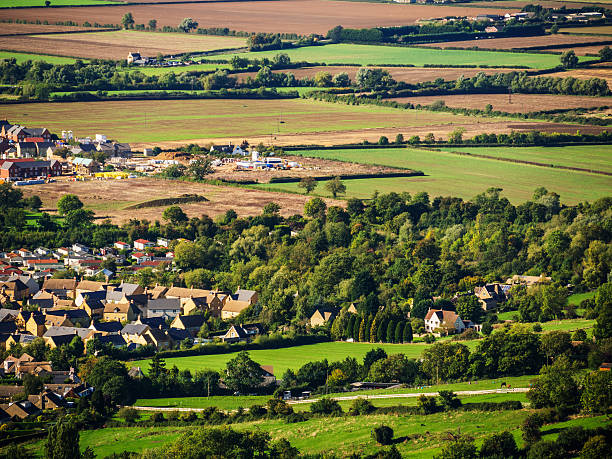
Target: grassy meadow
x: 343, y: 53
x: 291, y: 357
x: 418, y: 436
x: 447, y: 174
x: 23, y: 57
x: 596, y: 157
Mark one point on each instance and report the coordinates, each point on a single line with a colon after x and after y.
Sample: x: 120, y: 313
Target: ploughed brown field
x: 583, y: 50
x: 406, y: 74
x: 586, y: 73
x: 527, y: 42
x: 117, y: 44
x: 110, y: 198
x: 544, y: 4
x: 519, y: 103
x: 289, y: 16
x: 25, y: 29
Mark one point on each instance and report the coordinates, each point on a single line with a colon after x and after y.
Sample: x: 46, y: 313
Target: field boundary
x: 528, y: 163
x: 168, y: 201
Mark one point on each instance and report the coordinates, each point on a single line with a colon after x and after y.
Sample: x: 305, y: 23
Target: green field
x: 35, y: 3
x: 596, y: 157
x: 23, y: 57
x: 569, y: 325
x: 342, y: 436
x: 447, y: 174
x: 395, y: 55
x: 203, y: 67
x: 291, y: 357
x: 416, y: 436
x: 175, y: 120
x: 577, y: 298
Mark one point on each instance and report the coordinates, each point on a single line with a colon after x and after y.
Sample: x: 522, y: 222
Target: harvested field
x: 586, y: 73
x: 520, y: 103
x: 290, y: 16
x: 26, y: 29
x: 406, y: 74
x: 525, y: 42
x: 604, y: 30
x: 111, y: 198
x: 583, y: 50
x: 117, y: 44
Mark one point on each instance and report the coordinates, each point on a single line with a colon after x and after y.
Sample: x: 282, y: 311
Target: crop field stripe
x: 395, y: 55
x: 23, y: 57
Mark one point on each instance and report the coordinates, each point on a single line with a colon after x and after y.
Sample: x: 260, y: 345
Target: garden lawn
x: 595, y: 157
x: 395, y: 55
x: 447, y: 174
x: 290, y: 357
x: 23, y: 57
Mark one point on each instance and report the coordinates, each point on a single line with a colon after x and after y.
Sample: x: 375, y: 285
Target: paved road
x: 353, y: 397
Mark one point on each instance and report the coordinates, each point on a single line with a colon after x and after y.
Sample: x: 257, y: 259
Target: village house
x: 238, y: 333
x: 63, y: 288
x: 142, y: 244
x: 121, y: 312
x: 438, y: 320
x: 21, y: 169
x: 321, y: 317
x: 191, y: 323
x: 35, y: 325
x: 85, y: 166
x: 238, y: 302
x: 13, y: 291
x: 167, y: 308
x: 491, y: 295
x: 90, y: 286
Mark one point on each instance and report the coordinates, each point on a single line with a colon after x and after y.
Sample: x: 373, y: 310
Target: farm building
x: 85, y: 166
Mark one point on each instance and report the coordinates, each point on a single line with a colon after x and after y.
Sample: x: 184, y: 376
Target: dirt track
x: 290, y: 16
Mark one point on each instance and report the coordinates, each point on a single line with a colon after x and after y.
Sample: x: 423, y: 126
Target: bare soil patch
x: 406, y: 74
x: 297, y: 16
x: 117, y: 44
x: 310, y: 167
x: 525, y: 42
x: 518, y: 103
x: 26, y: 29
x: 110, y: 198
x: 582, y: 50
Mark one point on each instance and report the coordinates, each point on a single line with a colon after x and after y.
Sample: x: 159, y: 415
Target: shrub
x: 429, y: 338
x: 545, y: 450
x: 487, y: 328
x: 361, y: 406
x: 158, y: 416
x: 595, y: 448
x: 579, y: 335
x: 257, y: 411
x: 449, y: 400
x: 326, y: 406
x: 382, y: 434
x: 295, y: 417
x: 173, y: 415
x: 427, y: 405
x: 278, y: 407
x: 537, y: 327
x: 572, y: 439
x: 189, y: 416
x: 499, y: 445
x: 531, y: 429
x: 129, y: 415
